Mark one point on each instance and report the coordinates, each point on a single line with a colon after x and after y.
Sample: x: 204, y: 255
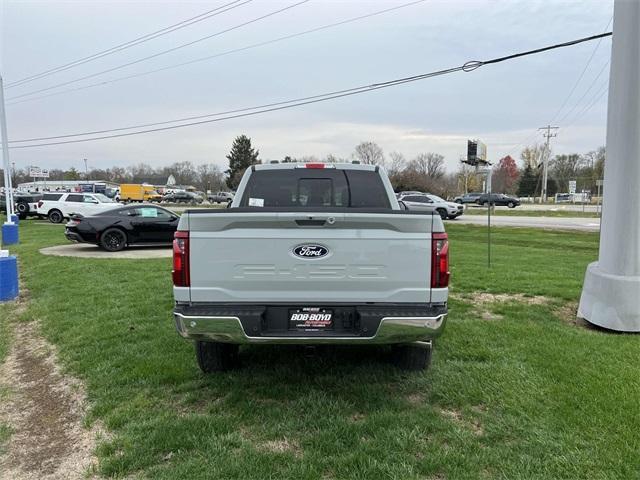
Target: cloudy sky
x: 502, y: 104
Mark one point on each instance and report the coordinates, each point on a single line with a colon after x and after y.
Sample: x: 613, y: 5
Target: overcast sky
x: 502, y: 104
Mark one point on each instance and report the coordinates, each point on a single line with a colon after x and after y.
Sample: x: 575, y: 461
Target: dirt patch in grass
x: 467, y: 423
x: 568, y: 313
x: 483, y: 301
x: 44, y: 410
x: 284, y: 445
x: 483, y: 298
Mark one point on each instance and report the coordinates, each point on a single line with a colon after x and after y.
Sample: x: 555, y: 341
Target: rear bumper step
x: 371, y: 326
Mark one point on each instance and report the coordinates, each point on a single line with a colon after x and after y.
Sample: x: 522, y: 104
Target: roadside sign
x: 572, y: 186
x: 37, y: 172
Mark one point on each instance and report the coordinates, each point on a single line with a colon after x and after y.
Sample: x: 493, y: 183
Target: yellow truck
x: 136, y: 192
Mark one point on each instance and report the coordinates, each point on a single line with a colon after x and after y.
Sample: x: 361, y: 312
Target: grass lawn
x: 515, y: 212
x: 516, y: 388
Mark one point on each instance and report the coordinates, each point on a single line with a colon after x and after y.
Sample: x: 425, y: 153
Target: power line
x: 467, y: 67
x: 575, y: 85
x: 228, y: 52
x: 604, y: 89
x: 595, y: 49
x: 164, y: 52
x: 131, y: 43
x: 564, y: 117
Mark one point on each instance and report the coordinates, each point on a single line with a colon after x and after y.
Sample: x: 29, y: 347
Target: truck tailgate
x: 249, y: 257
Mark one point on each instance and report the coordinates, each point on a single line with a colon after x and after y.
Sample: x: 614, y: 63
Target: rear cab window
x: 309, y: 187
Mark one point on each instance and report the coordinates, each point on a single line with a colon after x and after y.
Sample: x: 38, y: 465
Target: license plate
x: 311, y: 319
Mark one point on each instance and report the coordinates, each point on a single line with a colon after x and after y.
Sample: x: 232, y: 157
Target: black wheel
x: 22, y: 207
x: 511, y: 205
x: 22, y: 216
x: 113, y: 240
x: 412, y: 357
x: 216, y: 357
x: 443, y: 213
x: 55, y: 216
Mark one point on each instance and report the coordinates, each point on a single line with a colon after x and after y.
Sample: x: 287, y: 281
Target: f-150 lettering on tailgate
x: 303, y: 271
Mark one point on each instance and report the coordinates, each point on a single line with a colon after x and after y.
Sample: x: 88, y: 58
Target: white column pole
x: 8, y: 195
x: 611, y: 292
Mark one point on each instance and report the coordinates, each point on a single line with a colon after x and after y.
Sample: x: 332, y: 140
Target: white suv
x: 58, y: 206
x: 429, y: 202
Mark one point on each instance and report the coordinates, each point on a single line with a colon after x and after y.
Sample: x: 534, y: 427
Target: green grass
x: 530, y: 213
x: 530, y: 395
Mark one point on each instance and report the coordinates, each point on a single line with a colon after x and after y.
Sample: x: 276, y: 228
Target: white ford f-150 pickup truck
x: 311, y: 254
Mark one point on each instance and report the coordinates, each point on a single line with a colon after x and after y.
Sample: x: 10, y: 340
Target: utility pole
x: 86, y: 170
x: 547, y: 153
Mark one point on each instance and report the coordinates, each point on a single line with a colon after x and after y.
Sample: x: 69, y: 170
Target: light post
x: 611, y: 292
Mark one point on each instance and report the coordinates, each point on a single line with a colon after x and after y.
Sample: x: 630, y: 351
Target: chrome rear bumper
x: 229, y: 330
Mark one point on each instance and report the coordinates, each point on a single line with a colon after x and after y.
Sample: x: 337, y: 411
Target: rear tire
x: 511, y: 205
x: 113, y: 240
x: 22, y: 208
x: 412, y: 357
x: 55, y: 216
x: 442, y: 213
x: 216, y: 357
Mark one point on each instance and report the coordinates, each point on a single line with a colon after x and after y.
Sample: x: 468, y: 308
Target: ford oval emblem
x: 310, y: 251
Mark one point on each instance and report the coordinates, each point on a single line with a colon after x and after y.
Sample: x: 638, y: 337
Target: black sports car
x: 116, y: 229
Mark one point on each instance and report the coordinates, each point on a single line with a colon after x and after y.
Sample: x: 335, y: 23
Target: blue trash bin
x: 9, y: 234
x: 15, y: 219
x: 8, y: 278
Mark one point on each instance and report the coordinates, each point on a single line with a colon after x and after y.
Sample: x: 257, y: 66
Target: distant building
x: 62, y: 185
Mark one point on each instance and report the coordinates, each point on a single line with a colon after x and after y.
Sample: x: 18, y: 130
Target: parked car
x: 25, y: 204
x: 311, y: 254
x: 182, y: 197
x: 221, y: 197
x: 58, y: 206
x: 470, y: 197
x: 498, y: 199
x: 429, y: 202
x: 116, y: 229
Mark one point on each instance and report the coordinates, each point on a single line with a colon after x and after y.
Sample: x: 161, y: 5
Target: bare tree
x: 369, y: 153
x: 565, y: 168
x: 468, y: 180
x: 533, y: 156
x: 210, y: 177
x: 397, y: 163
x: 431, y: 165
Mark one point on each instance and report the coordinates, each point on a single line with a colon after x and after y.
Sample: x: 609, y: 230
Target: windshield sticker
x: 256, y: 202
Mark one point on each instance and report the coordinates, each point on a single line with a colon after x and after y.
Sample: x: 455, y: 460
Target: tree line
x: 424, y: 172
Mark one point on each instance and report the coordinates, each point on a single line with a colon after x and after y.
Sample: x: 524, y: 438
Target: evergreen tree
x: 241, y: 157
x: 528, y: 181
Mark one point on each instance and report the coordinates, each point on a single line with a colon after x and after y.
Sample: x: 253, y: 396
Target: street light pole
x: 610, y: 295
x: 8, y: 187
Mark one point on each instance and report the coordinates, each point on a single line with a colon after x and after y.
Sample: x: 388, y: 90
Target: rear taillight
x: 40, y: 203
x: 439, y: 260
x: 181, y: 260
